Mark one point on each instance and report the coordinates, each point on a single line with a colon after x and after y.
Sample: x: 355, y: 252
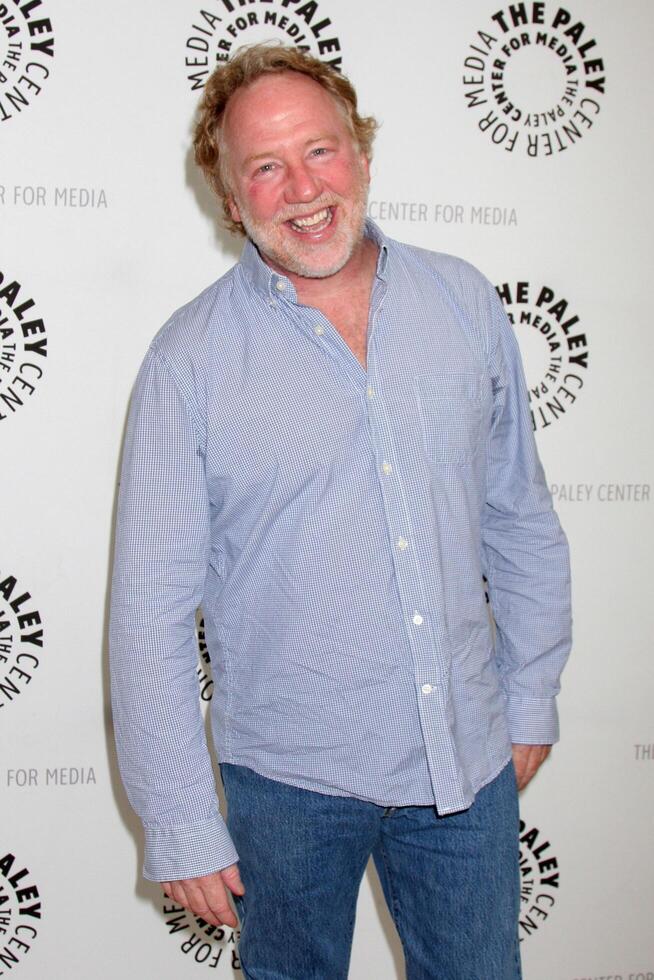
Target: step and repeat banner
x: 516, y: 136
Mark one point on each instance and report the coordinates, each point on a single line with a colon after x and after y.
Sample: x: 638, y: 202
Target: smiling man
x: 299, y: 190
x: 327, y: 451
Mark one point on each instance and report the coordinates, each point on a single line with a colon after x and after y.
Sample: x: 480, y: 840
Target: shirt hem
x: 333, y: 791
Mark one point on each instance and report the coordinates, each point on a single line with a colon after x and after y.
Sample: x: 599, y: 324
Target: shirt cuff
x: 532, y: 721
x: 176, y: 853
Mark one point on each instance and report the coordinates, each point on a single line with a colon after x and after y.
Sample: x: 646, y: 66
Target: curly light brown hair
x: 244, y: 68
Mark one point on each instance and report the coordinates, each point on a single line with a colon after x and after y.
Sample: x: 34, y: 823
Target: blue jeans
x: 451, y: 883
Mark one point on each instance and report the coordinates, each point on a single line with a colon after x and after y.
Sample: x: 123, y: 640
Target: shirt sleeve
x: 162, y: 547
x: 527, y: 559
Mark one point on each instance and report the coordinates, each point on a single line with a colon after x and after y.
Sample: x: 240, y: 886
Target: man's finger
x: 216, y: 897
x: 232, y: 879
x: 527, y: 760
x: 207, y: 896
x: 208, y: 899
x: 178, y: 893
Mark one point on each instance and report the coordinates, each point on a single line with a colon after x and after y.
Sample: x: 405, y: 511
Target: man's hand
x: 206, y: 896
x: 527, y: 760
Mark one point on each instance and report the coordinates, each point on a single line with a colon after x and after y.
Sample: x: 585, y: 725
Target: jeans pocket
x: 239, y: 902
x: 451, y: 416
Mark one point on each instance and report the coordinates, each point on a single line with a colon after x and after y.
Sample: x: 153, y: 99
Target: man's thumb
x: 232, y: 879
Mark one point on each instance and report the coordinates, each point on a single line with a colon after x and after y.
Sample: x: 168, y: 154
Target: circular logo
x: 21, y: 639
x: 217, y: 32
x: 26, y: 52
x: 539, y: 880
x: 534, y: 79
x: 20, y: 911
x: 203, y: 669
x: 553, y: 346
x: 215, y: 947
x: 23, y: 346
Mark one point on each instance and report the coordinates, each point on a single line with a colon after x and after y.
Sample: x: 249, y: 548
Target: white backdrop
x: 106, y: 228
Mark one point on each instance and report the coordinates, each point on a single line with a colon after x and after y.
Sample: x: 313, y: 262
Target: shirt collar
x: 271, y: 284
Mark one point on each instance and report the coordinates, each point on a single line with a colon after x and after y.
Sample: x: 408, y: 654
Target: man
x: 327, y: 450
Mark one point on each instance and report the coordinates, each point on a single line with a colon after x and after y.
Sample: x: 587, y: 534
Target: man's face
x: 297, y: 180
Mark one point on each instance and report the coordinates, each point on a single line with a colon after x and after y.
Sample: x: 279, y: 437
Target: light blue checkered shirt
x: 334, y: 526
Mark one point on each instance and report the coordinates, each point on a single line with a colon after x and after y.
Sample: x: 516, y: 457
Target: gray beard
x: 285, y: 258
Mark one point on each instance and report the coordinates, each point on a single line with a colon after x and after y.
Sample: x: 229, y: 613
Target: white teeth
x: 314, y: 219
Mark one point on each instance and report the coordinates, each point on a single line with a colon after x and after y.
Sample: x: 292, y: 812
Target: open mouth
x: 313, y: 222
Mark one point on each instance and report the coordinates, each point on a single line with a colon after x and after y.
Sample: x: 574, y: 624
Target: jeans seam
x: 395, y: 905
x: 518, y: 962
x: 247, y: 976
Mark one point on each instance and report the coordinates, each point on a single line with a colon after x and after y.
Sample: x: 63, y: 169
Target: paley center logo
x: 534, y: 79
x: 20, y: 912
x: 220, y: 27
x: 26, y: 52
x: 210, y: 946
x: 21, y: 638
x: 23, y: 346
x: 539, y: 880
x: 203, y: 669
x: 553, y: 345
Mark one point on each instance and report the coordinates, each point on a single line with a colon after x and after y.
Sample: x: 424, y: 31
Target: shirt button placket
x: 402, y: 545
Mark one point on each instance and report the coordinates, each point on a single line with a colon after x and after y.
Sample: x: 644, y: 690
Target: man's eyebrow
x: 320, y: 139
x: 258, y: 156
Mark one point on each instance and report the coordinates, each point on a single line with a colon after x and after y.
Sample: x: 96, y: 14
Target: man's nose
x: 301, y: 185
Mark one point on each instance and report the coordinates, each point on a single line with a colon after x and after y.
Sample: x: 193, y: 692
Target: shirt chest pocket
x: 451, y: 416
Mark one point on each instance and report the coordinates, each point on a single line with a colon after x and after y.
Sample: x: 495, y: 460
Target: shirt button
x: 426, y: 689
x: 387, y: 468
x: 417, y: 619
x: 319, y: 329
x: 280, y: 285
x: 402, y: 543
x: 370, y: 392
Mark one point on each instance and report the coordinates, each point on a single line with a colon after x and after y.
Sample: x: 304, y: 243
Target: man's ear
x: 233, y: 209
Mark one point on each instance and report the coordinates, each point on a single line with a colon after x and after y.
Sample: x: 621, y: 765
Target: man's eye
x: 319, y: 151
x: 265, y: 168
